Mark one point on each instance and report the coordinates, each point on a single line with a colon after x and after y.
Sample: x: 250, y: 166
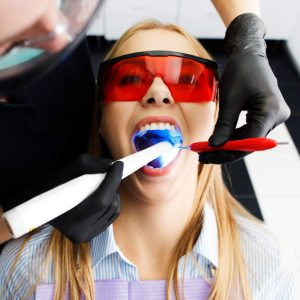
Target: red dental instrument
x: 248, y: 145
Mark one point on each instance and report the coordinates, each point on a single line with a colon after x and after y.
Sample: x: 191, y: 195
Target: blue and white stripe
x: 272, y: 273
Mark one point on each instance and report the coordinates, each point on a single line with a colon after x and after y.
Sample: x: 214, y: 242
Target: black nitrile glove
x: 100, y: 209
x: 247, y: 83
x: 95, y: 213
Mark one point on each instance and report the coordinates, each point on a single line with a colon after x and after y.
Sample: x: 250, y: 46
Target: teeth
x: 155, y: 126
x: 161, y: 131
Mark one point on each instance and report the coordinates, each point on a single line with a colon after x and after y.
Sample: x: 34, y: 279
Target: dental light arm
x: 45, y: 34
x: 47, y: 206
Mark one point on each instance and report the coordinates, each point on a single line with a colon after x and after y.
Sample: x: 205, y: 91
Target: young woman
x: 180, y: 232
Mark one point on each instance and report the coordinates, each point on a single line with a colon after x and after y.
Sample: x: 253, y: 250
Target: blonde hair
x: 72, y: 262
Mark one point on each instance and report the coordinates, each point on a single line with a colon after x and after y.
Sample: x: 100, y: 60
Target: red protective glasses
x: 128, y: 77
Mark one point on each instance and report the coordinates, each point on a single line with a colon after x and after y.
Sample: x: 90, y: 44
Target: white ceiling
x: 198, y: 17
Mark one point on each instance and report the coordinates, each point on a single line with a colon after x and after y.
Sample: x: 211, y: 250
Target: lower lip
x: 159, y: 172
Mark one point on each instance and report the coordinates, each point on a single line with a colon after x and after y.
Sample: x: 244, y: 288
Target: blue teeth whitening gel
x: 145, y: 139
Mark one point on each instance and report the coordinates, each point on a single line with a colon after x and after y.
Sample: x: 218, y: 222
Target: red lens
x: 196, y: 83
x: 129, y: 79
x: 126, y: 80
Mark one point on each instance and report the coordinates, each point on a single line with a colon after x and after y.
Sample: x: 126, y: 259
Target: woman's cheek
x: 200, y: 120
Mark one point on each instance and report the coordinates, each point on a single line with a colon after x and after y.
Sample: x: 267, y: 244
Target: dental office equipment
x: 47, y: 206
x: 250, y: 144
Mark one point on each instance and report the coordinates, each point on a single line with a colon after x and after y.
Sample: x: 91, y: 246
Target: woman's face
x: 121, y: 120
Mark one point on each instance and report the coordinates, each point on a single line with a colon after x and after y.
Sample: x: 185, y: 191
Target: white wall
x: 198, y: 17
x: 294, y: 44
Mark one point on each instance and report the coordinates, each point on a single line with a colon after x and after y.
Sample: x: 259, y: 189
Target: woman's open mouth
x: 153, y: 133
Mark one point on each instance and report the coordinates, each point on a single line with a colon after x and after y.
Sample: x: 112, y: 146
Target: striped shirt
x: 272, y: 273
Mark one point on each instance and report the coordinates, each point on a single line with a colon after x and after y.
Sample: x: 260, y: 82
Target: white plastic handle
x: 47, y: 206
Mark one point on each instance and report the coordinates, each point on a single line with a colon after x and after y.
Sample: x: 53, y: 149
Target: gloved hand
x: 247, y: 83
x: 96, y: 212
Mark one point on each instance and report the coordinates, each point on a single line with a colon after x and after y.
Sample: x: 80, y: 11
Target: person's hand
x: 40, y: 24
x: 100, y: 209
x: 247, y: 83
x: 95, y: 213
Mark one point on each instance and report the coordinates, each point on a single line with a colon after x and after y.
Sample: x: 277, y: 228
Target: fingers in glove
x: 111, y: 213
x: 221, y: 157
x: 84, y: 229
x: 78, y: 222
x: 226, y: 122
x: 108, y: 188
x: 97, y: 203
x: 83, y: 164
x: 86, y: 164
x: 249, y: 130
x: 104, y: 221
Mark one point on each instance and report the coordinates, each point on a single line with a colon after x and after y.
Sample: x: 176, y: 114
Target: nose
x: 158, y: 94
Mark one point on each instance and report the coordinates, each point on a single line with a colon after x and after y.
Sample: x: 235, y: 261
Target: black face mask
x: 46, y: 125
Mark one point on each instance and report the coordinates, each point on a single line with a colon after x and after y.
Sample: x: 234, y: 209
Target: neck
x: 147, y: 231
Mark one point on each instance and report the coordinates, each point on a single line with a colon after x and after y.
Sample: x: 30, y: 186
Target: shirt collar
x: 104, y: 244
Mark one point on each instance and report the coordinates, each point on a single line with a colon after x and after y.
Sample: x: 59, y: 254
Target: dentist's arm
x: 247, y: 82
x: 230, y: 9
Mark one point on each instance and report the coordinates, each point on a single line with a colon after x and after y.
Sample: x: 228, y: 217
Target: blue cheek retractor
x: 147, y: 138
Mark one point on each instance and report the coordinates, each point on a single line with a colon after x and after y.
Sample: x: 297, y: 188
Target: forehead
x: 156, y: 39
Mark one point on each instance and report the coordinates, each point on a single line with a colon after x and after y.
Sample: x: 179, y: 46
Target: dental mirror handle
x: 249, y: 145
x: 49, y: 205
